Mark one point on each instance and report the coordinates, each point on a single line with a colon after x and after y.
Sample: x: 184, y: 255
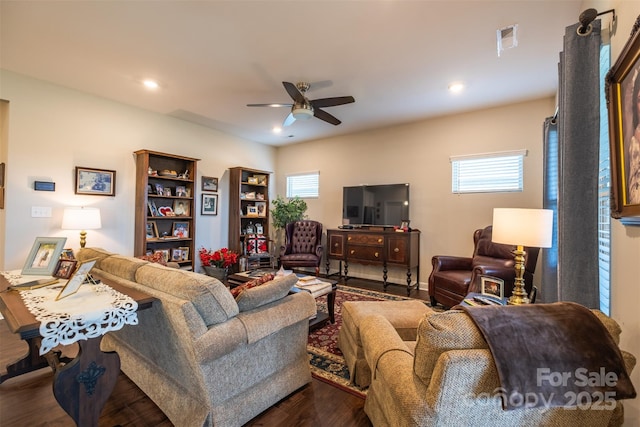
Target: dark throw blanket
x: 550, y: 355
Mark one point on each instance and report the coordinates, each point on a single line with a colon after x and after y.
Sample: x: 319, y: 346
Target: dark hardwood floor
x: 28, y: 400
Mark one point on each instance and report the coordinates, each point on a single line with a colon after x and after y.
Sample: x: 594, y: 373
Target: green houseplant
x: 285, y: 211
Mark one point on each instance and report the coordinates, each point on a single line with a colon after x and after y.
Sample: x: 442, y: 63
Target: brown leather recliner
x: 453, y: 277
x: 303, y: 245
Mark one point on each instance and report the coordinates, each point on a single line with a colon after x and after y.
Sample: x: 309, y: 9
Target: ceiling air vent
x: 507, y: 38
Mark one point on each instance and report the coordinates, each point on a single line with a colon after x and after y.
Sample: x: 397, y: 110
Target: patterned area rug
x: 326, y: 359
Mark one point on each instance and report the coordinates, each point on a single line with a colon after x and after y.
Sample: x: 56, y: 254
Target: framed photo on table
x: 44, y: 255
x: 492, y: 286
x: 78, y: 278
x: 98, y: 182
x: 623, y: 92
x: 65, y: 268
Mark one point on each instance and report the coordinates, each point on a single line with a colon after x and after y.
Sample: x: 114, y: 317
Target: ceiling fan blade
x: 289, y: 120
x: 273, y: 104
x: 332, y: 102
x: 323, y: 115
x: 293, y: 92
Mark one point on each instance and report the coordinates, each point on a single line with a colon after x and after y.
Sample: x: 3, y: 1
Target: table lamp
x: 81, y: 218
x: 522, y: 227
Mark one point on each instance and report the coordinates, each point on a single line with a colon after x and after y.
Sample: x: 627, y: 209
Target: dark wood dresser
x: 375, y: 246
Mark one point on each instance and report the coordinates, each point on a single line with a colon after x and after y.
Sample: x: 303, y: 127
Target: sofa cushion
x: 210, y: 297
x: 251, y: 284
x: 99, y: 254
x: 266, y: 293
x: 441, y: 332
x: 122, y: 266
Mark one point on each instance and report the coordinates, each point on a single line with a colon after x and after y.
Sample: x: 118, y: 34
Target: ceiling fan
x: 304, y: 108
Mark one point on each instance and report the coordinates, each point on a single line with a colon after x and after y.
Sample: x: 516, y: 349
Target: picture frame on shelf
x: 622, y: 85
x: 43, y: 256
x: 149, y: 189
x: 153, y: 209
x: 159, y: 189
x: 65, y: 268
x: 252, y: 180
x: 209, y: 183
x: 181, y: 208
x: 164, y: 252
x: 79, y: 276
x: 151, y: 230
x: 261, y: 179
x: 167, y: 191
x: 252, y: 210
x: 261, y: 208
x: 180, y: 229
x: 176, y: 255
x: 96, y: 182
x: 181, y: 191
x: 185, y: 253
x: 209, y: 204
x: 492, y: 286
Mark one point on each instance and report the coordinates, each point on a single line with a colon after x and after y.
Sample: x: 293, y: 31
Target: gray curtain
x: 570, y: 268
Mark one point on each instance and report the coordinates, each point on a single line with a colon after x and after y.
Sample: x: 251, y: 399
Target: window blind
x: 305, y: 185
x: 485, y: 173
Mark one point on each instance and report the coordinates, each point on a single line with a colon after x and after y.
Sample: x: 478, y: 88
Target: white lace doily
x: 91, y: 312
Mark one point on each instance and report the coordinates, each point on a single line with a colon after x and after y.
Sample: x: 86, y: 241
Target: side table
x: 82, y: 385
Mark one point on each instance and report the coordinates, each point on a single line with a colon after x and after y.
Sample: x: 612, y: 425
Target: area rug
x: 326, y: 359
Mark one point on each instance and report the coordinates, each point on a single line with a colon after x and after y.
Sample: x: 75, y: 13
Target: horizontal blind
x: 303, y: 185
x: 494, y: 172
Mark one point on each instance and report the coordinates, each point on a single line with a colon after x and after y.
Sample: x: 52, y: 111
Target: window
x: 604, y: 189
x: 488, y: 173
x: 303, y: 185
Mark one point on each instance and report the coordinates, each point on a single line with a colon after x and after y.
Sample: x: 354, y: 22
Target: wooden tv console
x: 375, y: 246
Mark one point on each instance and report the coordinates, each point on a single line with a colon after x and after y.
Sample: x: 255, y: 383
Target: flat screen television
x: 384, y: 205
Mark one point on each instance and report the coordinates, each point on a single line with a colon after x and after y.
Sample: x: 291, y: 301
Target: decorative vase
x: 217, y: 272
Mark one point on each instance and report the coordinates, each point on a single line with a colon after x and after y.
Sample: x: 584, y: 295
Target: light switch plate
x: 41, y: 212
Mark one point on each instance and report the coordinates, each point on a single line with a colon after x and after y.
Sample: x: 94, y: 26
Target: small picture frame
x: 180, y: 229
x: 165, y: 254
x: 67, y: 253
x: 181, y: 208
x: 492, y: 286
x: 152, y: 230
x: 167, y: 192
x: 185, y: 253
x: 153, y: 209
x: 209, y: 204
x: 261, y: 179
x: 97, y: 182
x: 404, y: 224
x: 78, y: 278
x: 209, y: 183
x: 176, y: 255
x: 252, y: 210
x: 65, y: 268
x: 252, y: 180
x: 44, y: 256
x: 159, y: 189
x: 181, y: 191
x: 261, y: 208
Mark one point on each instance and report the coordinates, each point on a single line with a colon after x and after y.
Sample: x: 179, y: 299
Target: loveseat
x: 448, y: 378
x: 205, y: 358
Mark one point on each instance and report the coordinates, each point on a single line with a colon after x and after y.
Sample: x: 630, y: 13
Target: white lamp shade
x: 525, y: 227
x: 80, y: 218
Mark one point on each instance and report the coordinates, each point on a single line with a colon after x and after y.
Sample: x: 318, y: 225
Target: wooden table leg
x: 83, y: 386
x: 31, y: 361
x: 331, y: 302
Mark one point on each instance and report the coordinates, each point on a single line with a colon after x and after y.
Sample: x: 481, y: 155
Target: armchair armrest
x: 378, y: 339
x: 319, y: 250
x: 445, y: 262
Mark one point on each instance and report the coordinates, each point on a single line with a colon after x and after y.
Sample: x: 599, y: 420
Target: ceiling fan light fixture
x: 301, y: 113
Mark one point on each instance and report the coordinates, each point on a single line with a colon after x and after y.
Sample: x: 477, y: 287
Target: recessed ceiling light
x: 277, y: 129
x: 150, y: 84
x: 456, y: 87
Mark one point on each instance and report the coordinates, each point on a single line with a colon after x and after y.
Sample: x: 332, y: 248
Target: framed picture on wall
x: 209, y: 204
x: 623, y: 102
x: 97, y: 182
x: 209, y: 183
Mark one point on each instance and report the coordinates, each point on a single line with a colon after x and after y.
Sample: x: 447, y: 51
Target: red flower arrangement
x: 222, y: 258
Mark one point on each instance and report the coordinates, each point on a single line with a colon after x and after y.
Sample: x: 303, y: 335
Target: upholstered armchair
x: 453, y: 277
x: 303, y: 245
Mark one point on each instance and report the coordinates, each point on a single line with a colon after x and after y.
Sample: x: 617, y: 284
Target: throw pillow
x: 157, y: 257
x: 251, y: 284
x: 266, y: 293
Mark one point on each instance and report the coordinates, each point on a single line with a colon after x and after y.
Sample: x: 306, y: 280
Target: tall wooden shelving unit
x: 149, y: 173
x: 244, y: 192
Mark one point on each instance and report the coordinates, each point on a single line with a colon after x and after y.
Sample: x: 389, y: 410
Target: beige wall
x: 52, y: 130
x: 418, y: 153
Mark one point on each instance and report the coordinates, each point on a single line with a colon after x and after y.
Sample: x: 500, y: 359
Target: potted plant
x: 286, y: 211
x: 217, y: 263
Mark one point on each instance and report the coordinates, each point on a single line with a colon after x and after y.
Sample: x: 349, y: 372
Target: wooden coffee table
x: 91, y: 367
x: 321, y: 316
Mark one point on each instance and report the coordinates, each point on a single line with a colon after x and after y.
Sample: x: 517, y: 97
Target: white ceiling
x: 211, y: 58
